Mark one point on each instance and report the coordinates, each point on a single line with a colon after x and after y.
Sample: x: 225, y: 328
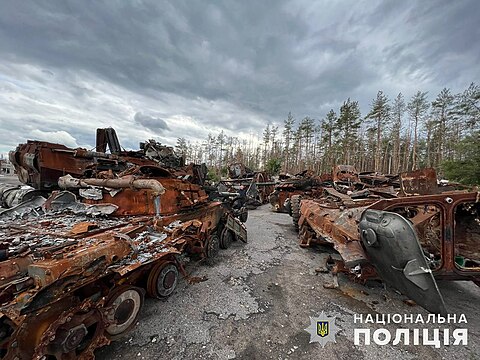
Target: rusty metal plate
x: 419, y: 182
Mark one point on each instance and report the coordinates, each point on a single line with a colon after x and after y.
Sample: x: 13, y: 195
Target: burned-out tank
x: 304, y: 184
x: 75, y: 267
x: 39, y: 164
x: 424, y: 233
x: 344, y: 178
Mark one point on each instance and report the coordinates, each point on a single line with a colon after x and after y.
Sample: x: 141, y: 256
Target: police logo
x: 322, y: 329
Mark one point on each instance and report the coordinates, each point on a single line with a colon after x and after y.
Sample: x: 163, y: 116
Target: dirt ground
x: 257, y: 301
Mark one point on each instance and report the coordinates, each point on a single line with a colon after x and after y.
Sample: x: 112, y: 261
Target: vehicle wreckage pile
x: 94, y: 234
x: 254, y: 187
x: 91, y: 233
x: 407, y: 230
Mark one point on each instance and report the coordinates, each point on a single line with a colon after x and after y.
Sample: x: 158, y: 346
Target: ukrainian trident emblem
x: 322, y: 328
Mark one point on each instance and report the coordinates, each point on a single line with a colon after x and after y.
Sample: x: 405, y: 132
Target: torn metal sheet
x: 32, y: 205
x: 91, y: 193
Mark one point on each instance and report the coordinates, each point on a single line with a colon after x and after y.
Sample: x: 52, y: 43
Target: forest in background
x: 392, y: 136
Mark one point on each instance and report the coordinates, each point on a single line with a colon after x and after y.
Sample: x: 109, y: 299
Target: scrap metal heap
x: 343, y: 179
x: 423, y: 233
x: 39, y: 164
x: 253, y: 186
x: 75, y: 267
x: 305, y: 184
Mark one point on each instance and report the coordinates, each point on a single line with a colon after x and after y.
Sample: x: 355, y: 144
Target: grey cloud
x: 233, y: 65
x: 151, y: 122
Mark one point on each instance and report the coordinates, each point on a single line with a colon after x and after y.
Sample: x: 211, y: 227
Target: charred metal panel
x: 107, y: 137
x: 345, y: 173
x: 333, y: 226
x: 419, y: 182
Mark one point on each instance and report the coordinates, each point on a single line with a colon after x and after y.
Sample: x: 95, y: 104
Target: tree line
x: 393, y: 136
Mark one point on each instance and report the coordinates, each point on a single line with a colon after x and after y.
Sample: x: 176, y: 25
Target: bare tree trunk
x: 378, y: 147
x: 415, y: 163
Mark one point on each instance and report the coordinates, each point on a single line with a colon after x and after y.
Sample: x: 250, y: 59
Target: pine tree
x: 288, y: 124
x: 266, y: 141
x: 468, y: 106
x: 398, y: 110
x: 380, y: 114
x: 347, y: 127
x: 181, y: 147
x: 417, y: 109
x: 328, y: 128
x: 307, y: 126
x: 442, y: 110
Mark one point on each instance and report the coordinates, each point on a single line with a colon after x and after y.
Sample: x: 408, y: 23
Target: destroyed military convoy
x: 96, y: 231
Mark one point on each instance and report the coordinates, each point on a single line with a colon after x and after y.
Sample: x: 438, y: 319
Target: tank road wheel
x: 75, y: 334
x: 226, y: 238
x: 162, y: 280
x: 295, y: 204
x: 124, y: 303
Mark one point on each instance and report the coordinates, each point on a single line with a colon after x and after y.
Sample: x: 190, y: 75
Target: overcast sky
x: 158, y: 69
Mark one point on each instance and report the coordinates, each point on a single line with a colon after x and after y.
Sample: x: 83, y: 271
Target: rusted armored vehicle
x: 304, y: 184
x: 75, y: 267
x: 428, y: 232
x: 39, y: 164
x: 254, y: 186
x: 343, y: 178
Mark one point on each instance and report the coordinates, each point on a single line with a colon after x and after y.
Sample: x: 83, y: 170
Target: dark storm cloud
x: 234, y: 64
x: 150, y: 122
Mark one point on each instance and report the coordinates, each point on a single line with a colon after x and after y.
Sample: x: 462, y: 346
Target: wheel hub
x: 124, y: 311
x: 73, y: 338
x: 169, y: 279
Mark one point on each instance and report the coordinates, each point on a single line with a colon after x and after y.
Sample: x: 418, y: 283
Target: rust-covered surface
x: 305, y: 184
x: 137, y: 196
x: 74, y: 268
x: 40, y: 164
x: 419, y: 182
x: 333, y: 226
x: 345, y: 173
x: 69, y: 266
x: 445, y: 225
x: 343, y: 181
x: 253, y: 186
